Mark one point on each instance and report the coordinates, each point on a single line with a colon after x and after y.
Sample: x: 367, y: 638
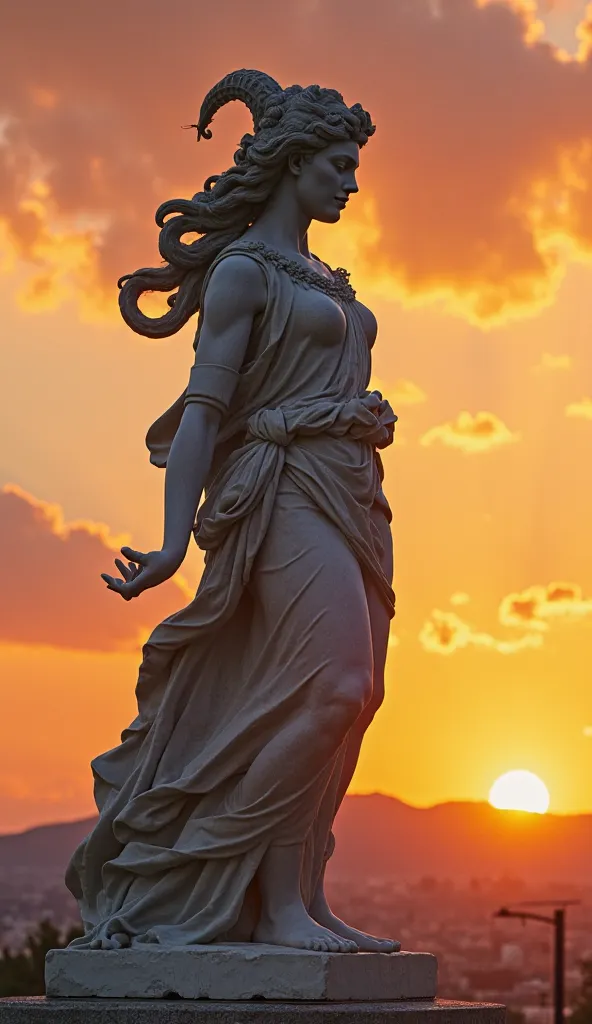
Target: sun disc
x: 520, y: 791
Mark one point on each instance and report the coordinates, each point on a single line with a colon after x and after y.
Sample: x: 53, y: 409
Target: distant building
x: 511, y: 955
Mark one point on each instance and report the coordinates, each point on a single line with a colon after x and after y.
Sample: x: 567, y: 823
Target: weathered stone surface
x: 160, y: 1011
x: 239, y: 972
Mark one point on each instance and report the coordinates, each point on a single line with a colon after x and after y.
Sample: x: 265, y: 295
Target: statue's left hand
x: 381, y: 408
x: 143, y: 570
x: 388, y: 419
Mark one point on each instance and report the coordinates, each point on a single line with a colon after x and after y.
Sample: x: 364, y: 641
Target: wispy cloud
x: 537, y: 605
x: 470, y: 434
x: 445, y: 633
x: 549, y: 362
x: 580, y: 410
x: 530, y: 610
x: 405, y: 392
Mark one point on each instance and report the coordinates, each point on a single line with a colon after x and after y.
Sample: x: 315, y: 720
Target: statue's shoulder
x: 233, y: 273
x: 242, y: 254
x: 236, y: 264
x: 237, y: 255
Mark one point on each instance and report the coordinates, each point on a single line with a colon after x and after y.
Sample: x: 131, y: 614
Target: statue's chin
x: 329, y: 216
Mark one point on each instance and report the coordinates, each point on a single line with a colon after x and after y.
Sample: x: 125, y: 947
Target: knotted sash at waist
x: 247, y: 483
x: 322, y: 416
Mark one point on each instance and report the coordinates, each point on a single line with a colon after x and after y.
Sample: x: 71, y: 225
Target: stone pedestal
x: 241, y: 984
x: 239, y: 972
x: 180, y: 1011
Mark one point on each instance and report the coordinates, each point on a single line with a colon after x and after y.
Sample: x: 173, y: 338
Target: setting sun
x: 520, y: 791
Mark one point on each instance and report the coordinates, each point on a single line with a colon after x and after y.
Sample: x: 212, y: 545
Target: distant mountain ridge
x: 379, y: 835
x: 46, y: 848
x: 461, y: 841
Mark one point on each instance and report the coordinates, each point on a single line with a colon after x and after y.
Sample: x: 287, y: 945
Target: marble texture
x: 239, y: 972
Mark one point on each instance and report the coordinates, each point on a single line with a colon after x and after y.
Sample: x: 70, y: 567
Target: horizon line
x: 370, y: 793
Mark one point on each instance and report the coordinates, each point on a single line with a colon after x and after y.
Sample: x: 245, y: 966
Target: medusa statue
x: 216, y: 810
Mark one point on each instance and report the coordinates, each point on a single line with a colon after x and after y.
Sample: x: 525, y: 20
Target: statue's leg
x: 380, y: 626
x: 313, y: 633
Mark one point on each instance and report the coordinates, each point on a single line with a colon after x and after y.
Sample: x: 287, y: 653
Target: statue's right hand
x: 143, y: 570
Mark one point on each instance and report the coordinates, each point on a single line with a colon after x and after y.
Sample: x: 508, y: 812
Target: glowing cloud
x: 580, y: 410
x: 550, y: 362
x: 445, y: 633
x: 530, y: 609
x: 405, y: 392
x: 474, y: 208
x: 470, y: 434
x: 535, y: 606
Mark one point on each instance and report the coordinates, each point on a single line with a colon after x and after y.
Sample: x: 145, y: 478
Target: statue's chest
x: 319, y: 320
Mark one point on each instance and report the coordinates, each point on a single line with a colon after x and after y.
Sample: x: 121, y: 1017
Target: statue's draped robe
x: 174, y: 855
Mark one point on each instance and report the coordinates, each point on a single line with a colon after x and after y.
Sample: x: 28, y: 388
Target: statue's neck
x: 283, y: 223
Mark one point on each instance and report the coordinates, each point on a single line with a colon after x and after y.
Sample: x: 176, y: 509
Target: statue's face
x: 325, y: 181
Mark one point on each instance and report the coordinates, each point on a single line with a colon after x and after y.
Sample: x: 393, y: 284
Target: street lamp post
x: 558, y: 922
x: 559, y: 964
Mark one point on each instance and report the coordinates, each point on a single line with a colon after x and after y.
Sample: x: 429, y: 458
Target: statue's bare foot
x: 323, y: 914
x: 119, y: 940
x: 294, y: 927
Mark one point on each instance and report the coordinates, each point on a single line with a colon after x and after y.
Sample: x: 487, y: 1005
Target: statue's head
x: 308, y: 137
x: 304, y: 139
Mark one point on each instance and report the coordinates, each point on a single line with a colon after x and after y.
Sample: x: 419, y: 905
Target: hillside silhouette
x: 385, y: 836
x: 379, y: 835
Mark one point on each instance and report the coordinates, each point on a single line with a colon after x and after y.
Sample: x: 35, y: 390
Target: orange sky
x: 472, y: 241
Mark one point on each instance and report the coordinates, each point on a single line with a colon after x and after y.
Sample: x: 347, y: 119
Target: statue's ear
x: 296, y: 162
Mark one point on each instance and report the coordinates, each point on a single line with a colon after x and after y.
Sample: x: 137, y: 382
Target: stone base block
x: 164, y: 1011
x: 239, y: 972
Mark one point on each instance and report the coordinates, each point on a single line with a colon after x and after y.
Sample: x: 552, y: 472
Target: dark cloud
x: 50, y: 586
x: 482, y: 152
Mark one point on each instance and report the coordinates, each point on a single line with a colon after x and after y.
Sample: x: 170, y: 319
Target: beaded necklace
x: 338, y: 288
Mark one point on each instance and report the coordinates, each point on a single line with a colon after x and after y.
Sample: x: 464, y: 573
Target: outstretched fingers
x: 135, y: 556
x: 126, y: 589
x: 125, y: 570
x: 132, y: 583
x: 129, y: 572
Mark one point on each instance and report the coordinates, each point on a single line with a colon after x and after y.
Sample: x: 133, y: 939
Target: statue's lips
x: 342, y: 202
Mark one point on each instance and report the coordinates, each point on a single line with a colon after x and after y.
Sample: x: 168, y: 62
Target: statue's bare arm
x: 236, y: 293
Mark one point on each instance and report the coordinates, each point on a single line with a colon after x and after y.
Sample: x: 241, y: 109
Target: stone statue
x: 216, y: 809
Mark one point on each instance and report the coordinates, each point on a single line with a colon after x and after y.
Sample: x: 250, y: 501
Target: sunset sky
x: 471, y: 239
